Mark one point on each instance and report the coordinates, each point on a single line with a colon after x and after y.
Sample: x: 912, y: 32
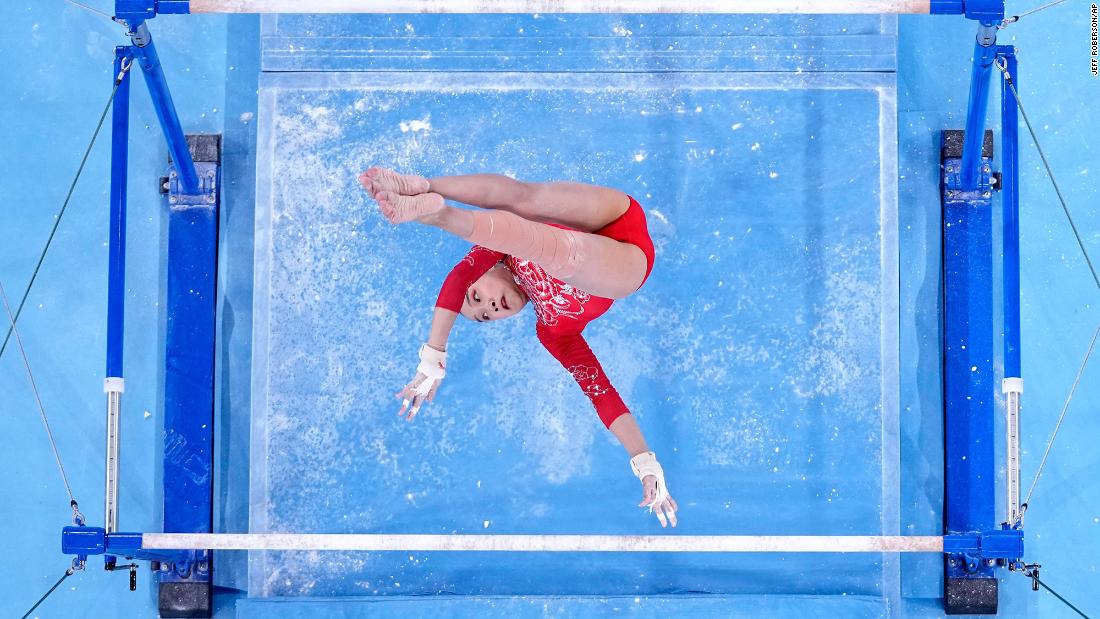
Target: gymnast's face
x: 494, y: 296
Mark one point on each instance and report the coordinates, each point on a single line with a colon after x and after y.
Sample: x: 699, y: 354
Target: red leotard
x: 562, y: 310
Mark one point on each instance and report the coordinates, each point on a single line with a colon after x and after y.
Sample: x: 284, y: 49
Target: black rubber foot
x: 952, y: 145
x: 970, y: 596
x: 185, y: 599
x: 204, y: 147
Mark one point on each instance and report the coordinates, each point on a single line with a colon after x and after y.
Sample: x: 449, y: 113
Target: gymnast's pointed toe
x: 384, y: 179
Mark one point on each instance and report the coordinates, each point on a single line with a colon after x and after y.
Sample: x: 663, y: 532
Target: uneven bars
x: 562, y: 6
x: 543, y: 543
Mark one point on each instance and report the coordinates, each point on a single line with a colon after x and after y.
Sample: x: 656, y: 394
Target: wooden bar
x: 542, y: 543
x: 563, y: 6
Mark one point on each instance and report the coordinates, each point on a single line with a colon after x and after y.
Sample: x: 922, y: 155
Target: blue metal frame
x: 189, y: 373
x: 189, y: 357
x: 134, y: 11
x: 973, y: 540
x: 980, y: 10
x: 982, y: 546
x: 146, y: 53
x: 84, y: 542
x: 116, y: 277
x: 116, y: 252
x: 985, y: 50
x: 1010, y: 207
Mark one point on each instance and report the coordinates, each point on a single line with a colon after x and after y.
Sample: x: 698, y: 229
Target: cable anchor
x: 1020, y: 516
x: 78, y: 518
x: 1031, y: 570
x: 1002, y: 65
x: 126, y: 64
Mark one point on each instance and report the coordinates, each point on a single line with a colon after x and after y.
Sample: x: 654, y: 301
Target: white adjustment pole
x: 542, y: 543
x: 114, y: 388
x: 562, y: 6
x: 1013, y: 388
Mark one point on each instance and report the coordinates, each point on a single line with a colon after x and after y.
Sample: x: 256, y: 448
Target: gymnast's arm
x: 443, y: 320
x: 574, y: 354
x: 448, y: 304
x: 433, y: 354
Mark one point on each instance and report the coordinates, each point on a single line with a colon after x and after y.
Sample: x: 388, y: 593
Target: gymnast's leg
x: 595, y: 264
x: 576, y: 205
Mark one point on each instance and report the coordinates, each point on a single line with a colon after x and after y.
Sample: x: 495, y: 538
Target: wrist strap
x: 433, y: 363
x: 645, y: 464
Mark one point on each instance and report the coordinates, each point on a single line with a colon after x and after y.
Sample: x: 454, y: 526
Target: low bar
x: 543, y: 543
x: 1012, y: 386
x: 572, y: 6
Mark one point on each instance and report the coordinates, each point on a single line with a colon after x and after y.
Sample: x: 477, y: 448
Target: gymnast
x: 569, y: 248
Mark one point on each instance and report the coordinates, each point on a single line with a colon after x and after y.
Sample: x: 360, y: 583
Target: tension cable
x: 68, y: 572
x: 1000, y: 64
x: 57, y: 220
x: 93, y: 10
x: 78, y: 518
x: 1016, y: 18
x: 1032, y: 572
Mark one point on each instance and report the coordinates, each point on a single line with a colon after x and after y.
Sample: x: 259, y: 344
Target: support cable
x: 1000, y: 64
x: 93, y: 10
x: 57, y: 220
x: 78, y: 518
x: 1058, y: 426
x: 1032, y: 572
x: 1016, y: 18
x: 68, y: 572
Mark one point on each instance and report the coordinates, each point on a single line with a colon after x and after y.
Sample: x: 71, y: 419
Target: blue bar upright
x: 1010, y: 205
x: 116, y: 252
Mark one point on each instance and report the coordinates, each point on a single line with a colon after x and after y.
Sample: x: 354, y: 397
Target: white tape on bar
x: 1012, y: 385
x: 543, y: 543
x: 561, y: 6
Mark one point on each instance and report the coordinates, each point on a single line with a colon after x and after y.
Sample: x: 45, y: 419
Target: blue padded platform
x: 495, y: 607
x: 760, y: 358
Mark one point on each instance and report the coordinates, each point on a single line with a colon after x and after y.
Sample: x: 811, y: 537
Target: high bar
x: 543, y: 543
x: 563, y: 6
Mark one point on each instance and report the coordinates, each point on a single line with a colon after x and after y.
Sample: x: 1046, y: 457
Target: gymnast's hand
x: 655, y: 492
x: 665, y: 508
x: 422, y: 388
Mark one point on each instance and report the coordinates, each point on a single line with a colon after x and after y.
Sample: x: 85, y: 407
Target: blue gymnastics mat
x: 761, y: 358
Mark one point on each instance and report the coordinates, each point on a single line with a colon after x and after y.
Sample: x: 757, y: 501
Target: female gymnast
x: 570, y: 249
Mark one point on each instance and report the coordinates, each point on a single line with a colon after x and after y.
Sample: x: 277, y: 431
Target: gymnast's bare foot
x: 377, y: 180
x: 400, y: 209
